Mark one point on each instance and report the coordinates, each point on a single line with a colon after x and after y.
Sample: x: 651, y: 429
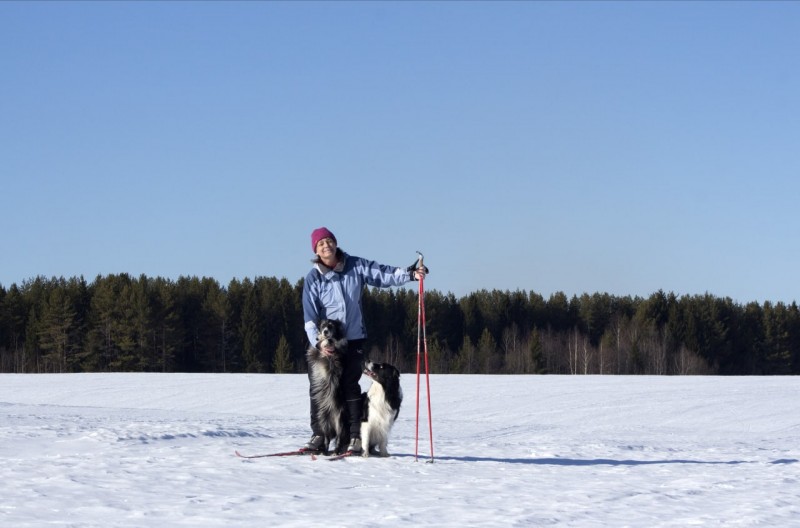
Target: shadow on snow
x: 589, y: 461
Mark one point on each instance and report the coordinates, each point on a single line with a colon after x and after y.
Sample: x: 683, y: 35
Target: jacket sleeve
x: 383, y: 276
x: 310, y: 310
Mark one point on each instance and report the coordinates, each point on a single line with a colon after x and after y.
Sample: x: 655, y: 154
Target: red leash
x: 422, y: 343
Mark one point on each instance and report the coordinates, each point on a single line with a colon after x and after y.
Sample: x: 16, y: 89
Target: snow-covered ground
x: 142, y: 450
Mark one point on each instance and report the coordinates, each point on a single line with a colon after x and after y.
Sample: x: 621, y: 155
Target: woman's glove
x: 414, y: 269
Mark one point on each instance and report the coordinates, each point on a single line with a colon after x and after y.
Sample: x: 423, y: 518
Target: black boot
x: 355, y: 446
x: 317, y: 444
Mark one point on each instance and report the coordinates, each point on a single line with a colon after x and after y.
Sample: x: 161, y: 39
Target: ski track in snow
x: 138, y: 450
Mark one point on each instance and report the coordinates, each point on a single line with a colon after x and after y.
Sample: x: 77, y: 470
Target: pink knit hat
x: 318, y: 234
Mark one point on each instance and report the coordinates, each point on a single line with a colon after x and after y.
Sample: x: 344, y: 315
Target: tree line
x: 123, y: 323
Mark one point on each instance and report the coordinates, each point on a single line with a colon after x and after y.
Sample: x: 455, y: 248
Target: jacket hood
x: 341, y: 256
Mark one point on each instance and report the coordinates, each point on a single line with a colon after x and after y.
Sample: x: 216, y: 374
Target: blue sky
x: 619, y: 147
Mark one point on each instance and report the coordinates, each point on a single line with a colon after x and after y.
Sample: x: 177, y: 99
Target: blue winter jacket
x: 336, y: 293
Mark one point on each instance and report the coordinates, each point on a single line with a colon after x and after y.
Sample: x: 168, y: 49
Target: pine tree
x: 57, y: 331
x: 488, y: 359
x: 534, y: 361
x: 250, y: 329
x: 282, y: 362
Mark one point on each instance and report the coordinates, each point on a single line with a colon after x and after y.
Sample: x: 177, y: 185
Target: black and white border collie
x: 326, y: 391
x: 380, y: 407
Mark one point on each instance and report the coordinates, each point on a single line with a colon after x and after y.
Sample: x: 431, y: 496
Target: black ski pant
x: 352, y: 367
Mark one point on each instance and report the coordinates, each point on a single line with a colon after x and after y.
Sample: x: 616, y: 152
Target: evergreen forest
x: 124, y: 323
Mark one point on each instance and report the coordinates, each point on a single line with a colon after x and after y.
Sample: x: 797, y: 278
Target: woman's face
x: 326, y: 248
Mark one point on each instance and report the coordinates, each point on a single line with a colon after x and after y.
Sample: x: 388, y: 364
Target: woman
x: 332, y: 290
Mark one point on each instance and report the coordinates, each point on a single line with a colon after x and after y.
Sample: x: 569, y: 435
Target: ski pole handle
x: 418, y: 270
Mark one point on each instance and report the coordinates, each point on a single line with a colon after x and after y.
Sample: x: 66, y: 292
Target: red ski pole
x: 422, y: 343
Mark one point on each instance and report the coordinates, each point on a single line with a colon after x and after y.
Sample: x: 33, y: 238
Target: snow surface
x: 141, y: 450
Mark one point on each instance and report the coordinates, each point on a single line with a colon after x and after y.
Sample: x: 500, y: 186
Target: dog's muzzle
x: 368, y: 370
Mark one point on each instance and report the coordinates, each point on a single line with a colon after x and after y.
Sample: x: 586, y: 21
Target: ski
x: 340, y: 456
x: 299, y: 452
